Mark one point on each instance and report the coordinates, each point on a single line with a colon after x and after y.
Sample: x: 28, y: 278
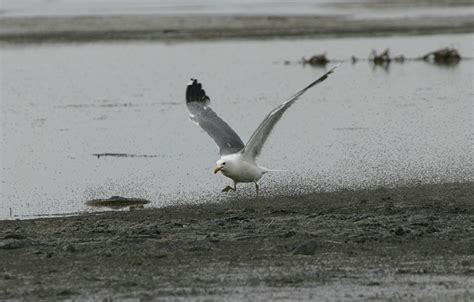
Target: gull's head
x: 226, y: 163
x: 220, y: 165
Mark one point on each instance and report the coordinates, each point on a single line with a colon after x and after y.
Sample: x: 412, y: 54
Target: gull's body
x: 239, y: 169
x: 238, y: 161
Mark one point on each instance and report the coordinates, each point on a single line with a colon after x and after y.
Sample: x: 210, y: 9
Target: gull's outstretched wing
x: 258, y: 138
x: 200, y: 112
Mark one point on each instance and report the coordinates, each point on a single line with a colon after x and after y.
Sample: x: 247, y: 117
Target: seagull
x: 238, y: 161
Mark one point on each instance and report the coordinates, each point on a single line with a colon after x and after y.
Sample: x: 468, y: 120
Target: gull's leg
x: 256, y: 187
x: 228, y: 188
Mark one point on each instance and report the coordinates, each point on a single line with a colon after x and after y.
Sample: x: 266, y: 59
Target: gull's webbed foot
x: 227, y: 189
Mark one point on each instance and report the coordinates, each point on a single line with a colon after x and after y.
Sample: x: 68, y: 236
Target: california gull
x: 238, y: 160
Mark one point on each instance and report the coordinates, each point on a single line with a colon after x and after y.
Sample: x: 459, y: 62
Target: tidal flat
x: 408, y: 243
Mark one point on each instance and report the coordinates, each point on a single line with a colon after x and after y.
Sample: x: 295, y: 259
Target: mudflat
x: 405, y: 243
x: 204, y: 27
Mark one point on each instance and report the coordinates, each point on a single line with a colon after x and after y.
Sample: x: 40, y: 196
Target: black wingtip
x: 195, y: 93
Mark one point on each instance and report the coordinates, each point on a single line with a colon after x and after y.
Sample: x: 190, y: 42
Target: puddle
x: 117, y: 202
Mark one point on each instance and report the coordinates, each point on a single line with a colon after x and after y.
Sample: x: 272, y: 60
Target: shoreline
x: 412, y: 242
x: 66, y: 29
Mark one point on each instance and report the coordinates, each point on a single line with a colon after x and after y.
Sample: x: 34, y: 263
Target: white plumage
x: 238, y: 161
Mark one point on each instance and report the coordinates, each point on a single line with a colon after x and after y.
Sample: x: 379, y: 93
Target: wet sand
x: 406, y: 243
x: 205, y: 27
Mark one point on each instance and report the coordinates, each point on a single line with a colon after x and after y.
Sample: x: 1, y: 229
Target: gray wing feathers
x: 258, y: 138
x: 198, y: 106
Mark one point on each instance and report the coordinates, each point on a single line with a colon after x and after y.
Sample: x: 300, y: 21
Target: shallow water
x: 364, y: 127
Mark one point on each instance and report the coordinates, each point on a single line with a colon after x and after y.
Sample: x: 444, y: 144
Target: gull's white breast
x: 241, y: 170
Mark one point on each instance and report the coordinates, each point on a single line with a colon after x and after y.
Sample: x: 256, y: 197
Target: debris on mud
x: 118, y: 202
x: 383, y: 59
x: 380, y: 59
x: 316, y: 60
x: 444, y: 56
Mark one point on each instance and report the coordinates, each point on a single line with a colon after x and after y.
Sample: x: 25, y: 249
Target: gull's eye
x: 223, y: 164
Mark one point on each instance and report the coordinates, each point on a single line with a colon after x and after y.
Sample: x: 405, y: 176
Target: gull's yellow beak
x: 217, y: 169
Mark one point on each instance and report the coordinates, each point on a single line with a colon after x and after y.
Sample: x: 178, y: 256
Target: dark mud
x: 414, y: 243
x: 205, y: 27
